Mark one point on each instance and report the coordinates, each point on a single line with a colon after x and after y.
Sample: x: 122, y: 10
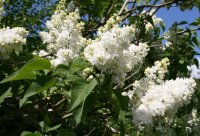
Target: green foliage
x: 26, y: 133
x: 37, y: 99
x: 41, y: 84
x: 28, y: 70
x: 5, y: 94
x: 80, y: 90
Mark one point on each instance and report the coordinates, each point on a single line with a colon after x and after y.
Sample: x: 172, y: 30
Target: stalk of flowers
x: 156, y: 21
x: 164, y: 100
x: 63, y: 38
x: 152, y: 98
x: 193, y: 121
x: 150, y: 25
x: 153, y: 75
x: 11, y: 40
x: 112, y: 52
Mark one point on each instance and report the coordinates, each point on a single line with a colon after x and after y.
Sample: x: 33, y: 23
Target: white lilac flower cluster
x: 64, y: 36
x: 156, y: 21
x: 193, y: 122
x: 152, y: 97
x: 150, y: 26
x: 112, y: 51
x: 157, y: 72
x: 11, y: 40
x: 195, y: 71
x: 1, y: 8
x: 164, y: 99
x: 153, y: 75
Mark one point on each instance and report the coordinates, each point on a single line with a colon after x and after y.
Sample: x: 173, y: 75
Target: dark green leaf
x: 53, y: 128
x: 195, y: 40
x: 80, y: 90
x: 61, y: 70
x: 5, y: 95
x: 182, y: 23
x: 162, y: 24
x: 78, y: 113
x: 26, y: 72
x: 42, y: 83
x: 26, y: 133
x: 78, y: 64
x: 120, y: 104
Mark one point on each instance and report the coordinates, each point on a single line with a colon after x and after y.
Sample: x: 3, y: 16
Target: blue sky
x: 174, y: 14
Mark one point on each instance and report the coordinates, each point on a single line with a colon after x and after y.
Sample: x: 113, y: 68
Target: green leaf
x: 162, y: 24
x: 82, y: 110
x: 78, y: 64
x: 42, y: 83
x: 195, y: 40
x: 53, y: 128
x: 120, y: 104
x: 27, y: 133
x: 80, y: 90
x: 78, y: 114
x: 61, y: 70
x: 5, y: 95
x: 196, y: 22
x: 26, y: 72
x: 181, y: 61
x: 182, y: 23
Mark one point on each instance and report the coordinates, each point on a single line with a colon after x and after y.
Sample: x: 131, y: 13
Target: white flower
x: 158, y: 71
x: 11, y: 40
x: 64, y: 36
x: 153, y: 75
x: 195, y: 71
x: 113, y: 53
x: 164, y: 99
x: 42, y: 53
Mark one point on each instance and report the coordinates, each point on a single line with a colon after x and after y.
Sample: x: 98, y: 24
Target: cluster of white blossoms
x: 149, y: 27
x: 112, y: 51
x: 152, y: 97
x: 1, y: 8
x: 164, y: 99
x: 11, y: 40
x: 157, y: 72
x: 153, y: 75
x: 195, y: 71
x: 193, y: 122
x: 64, y: 36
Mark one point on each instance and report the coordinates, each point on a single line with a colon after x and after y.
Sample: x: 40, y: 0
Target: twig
x: 90, y: 132
x: 59, y: 102
x: 111, y: 128
x: 181, y: 32
x: 115, y: 87
x: 123, y: 7
x: 189, y: 30
x: 146, y: 6
x: 67, y: 115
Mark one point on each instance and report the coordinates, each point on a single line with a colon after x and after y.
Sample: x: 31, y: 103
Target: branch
x: 189, y: 30
x: 181, y: 32
x: 59, y: 102
x: 67, y: 115
x: 151, y: 6
x: 123, y: 7
x: 115, y: 87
